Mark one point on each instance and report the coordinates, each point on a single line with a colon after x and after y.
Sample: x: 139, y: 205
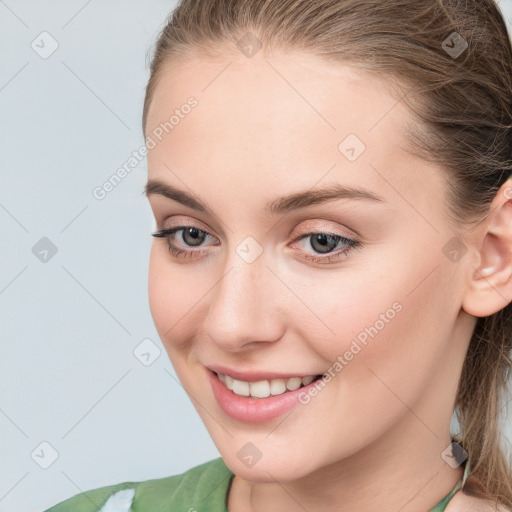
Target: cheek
x: 159, y: 291
x: 387, y: 366
x: 170, y: 297
x: 391, y: 329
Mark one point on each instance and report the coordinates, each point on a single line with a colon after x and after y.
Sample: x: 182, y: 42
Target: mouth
x: 265, y: 388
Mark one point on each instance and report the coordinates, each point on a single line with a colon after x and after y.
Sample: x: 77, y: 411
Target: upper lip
x: 256, y: 375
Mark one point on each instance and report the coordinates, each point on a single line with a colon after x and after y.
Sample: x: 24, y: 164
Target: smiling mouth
x: 265, y: 388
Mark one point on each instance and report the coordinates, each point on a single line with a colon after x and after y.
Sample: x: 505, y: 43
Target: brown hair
x: 462, y: 99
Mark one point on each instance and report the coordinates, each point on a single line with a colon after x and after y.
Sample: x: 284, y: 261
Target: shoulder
x: 209, y: 479
x: 461, y: 502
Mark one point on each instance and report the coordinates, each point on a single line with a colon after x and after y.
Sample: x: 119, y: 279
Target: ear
x: 490, y: 285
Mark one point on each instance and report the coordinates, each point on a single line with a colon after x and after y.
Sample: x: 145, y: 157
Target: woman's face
x: 272, y: 287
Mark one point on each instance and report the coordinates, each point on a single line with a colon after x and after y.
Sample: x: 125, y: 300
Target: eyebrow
x: 276, y: 206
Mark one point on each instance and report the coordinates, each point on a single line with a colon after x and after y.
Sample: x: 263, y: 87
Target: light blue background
x: 69, y: 326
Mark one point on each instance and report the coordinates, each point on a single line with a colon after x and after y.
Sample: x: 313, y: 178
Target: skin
x: 267, y: 126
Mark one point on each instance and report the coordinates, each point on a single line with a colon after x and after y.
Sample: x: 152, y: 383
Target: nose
x: 244, y: 308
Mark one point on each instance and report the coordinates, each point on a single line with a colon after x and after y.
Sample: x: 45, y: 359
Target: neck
x: 411, y: 477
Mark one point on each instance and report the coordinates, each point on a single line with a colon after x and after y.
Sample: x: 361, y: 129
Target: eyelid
x: 305, y: 228
x: 192, y: 223
x: 310, y: 225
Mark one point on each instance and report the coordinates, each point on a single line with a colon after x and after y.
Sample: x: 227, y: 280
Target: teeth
x: 228, y: 381
x: 293, y: 383
x: 260, y: 389
x: 264, y: 388
x: 240, y: 387
x: 308, y: 380
x: 277, y: 386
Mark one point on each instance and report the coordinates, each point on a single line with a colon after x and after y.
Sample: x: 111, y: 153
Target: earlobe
x: 490, y: 285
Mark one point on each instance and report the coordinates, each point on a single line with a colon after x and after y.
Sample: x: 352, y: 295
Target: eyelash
x: 177, y: 251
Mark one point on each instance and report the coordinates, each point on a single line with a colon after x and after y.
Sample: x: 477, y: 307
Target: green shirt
x: 200, y: 489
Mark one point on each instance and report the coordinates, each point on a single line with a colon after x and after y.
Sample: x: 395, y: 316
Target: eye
x: 321, y: 242
x: 191, y: 235
x: 324, y: 243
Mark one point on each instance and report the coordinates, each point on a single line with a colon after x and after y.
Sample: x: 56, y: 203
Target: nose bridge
x: 241, y: 304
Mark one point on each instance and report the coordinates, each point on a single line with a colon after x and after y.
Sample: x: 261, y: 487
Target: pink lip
x: 255, y: 376
x: 253, y: 410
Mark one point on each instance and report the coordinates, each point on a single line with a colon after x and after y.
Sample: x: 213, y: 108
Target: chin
x: 268, y: 469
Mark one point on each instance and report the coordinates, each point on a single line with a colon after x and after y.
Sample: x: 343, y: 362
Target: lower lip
x: 254, y: 410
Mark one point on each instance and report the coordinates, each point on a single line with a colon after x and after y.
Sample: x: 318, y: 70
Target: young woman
x: 331, y: 274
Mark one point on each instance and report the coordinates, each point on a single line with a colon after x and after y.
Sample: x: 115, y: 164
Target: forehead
x: 285, y: 87
x: 280, y: 118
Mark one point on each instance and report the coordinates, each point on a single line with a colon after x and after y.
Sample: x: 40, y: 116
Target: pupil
x: 194, y: 233
x: 323, y: 241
